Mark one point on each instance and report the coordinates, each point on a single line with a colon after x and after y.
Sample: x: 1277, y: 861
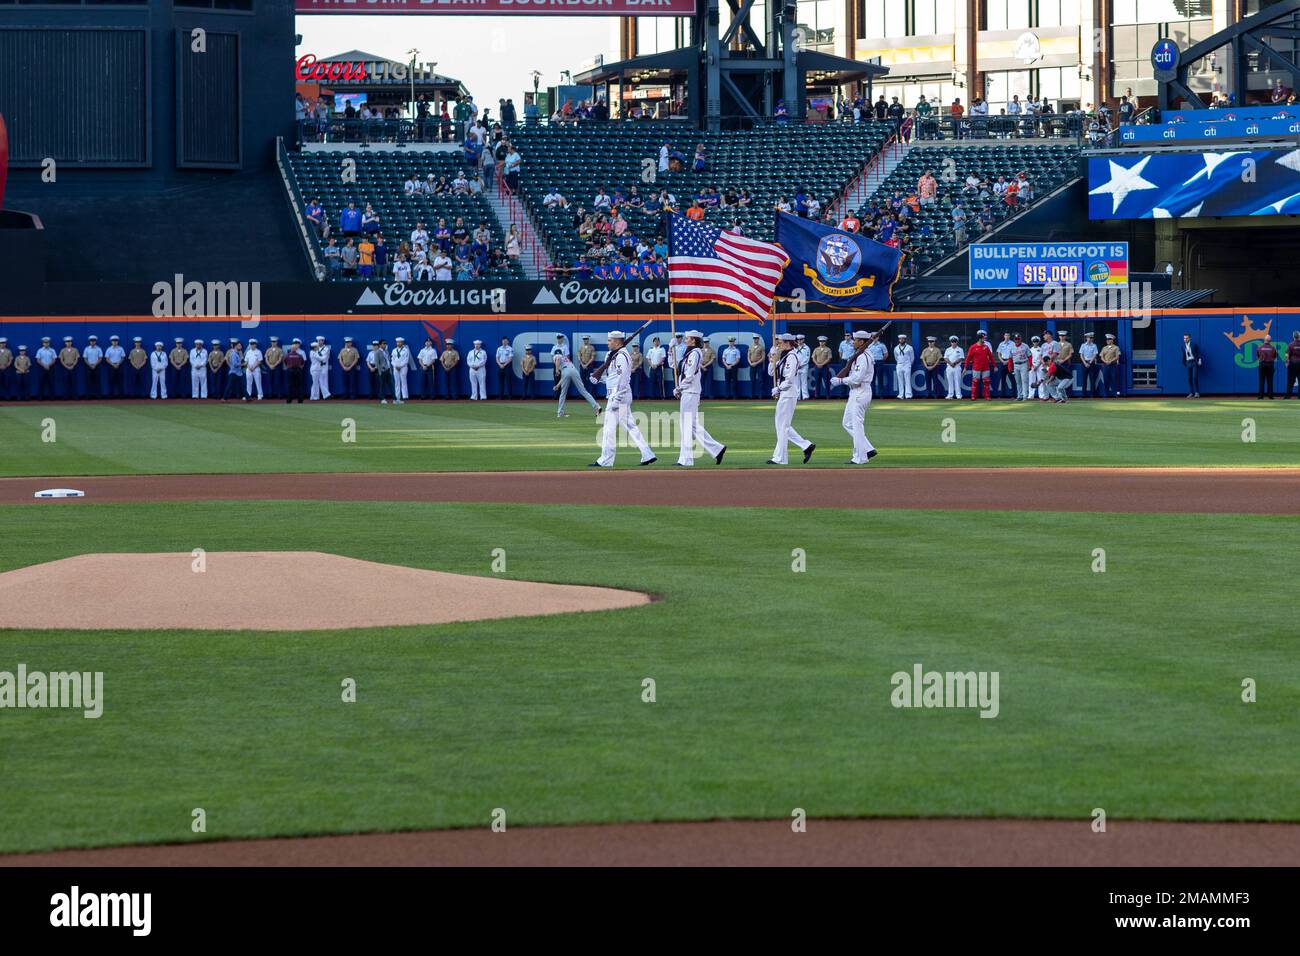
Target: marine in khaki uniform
x: 821, y: 359
x: 931, y: 361
x: 638, y: 369
x: 177, y: 360
x: 707, y: 358
x: 22, y: 374
x: 273, y: 360
x: 528, y: 367
x: 216, y: 370
x: 587, y: 357
x: 348, y: 359
x: 6, y: 371
x: 1109, y: 356
x: 450, y: 358
x: 1065, y: 362
x: 138, y: 359
x: 68, y: 359
x: 757, y: 359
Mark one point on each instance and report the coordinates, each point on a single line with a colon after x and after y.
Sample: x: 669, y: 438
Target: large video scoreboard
x: 1033, y: 265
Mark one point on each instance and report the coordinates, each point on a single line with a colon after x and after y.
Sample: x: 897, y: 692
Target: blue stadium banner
x: 1261, y: 182
x: 837, y: 268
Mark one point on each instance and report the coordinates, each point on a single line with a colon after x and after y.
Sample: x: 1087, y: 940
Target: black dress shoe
x: 807, y: 452
x: 717, y: 459
x: 595, y: 464
x: 771, y: 462
x: 872, y: 454
x: 650, y: 461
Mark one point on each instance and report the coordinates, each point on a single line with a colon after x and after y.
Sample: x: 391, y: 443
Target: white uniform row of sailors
x: 786, y: 371
x: 242, y: 363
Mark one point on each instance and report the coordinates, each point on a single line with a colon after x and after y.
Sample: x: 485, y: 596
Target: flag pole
x: 672, y: 345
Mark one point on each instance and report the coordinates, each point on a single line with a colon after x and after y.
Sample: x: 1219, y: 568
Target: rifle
x: 612, y: 352
x: 875, y: 337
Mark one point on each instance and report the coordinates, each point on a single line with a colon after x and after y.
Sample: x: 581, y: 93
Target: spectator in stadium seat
x: 426, y: 271
x: 460, y: 185
x: 316, y: 216
x: 350, y: 220
x: 333, y: 263
x: 696, y: 212
x: 401, y: 269
x: 882, y: 108
x: 370, y: 221
x: 513, y: 165
x: 555, y: 200
x: 412, y: 186
x: 1011, y: 194
x: 956, y: 111
x: 701, y: 163
x: 348, y: 257
x: 365, y: 258
x: 927, y: 188
x: 381, y: 256
x: 514, y: 246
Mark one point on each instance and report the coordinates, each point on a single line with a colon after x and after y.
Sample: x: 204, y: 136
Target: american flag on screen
x: 706, y: 264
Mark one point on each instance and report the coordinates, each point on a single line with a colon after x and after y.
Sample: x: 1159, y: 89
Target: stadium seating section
x: 1048, y: 166
x: 380, y: 178
x: 770, y: 162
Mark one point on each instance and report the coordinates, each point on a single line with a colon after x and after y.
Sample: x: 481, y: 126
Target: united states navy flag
x: 838, y: 268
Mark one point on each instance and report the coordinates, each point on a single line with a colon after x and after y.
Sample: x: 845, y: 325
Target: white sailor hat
x: 3, y: 340
x: 374, y: 343
x: 615, y: 334
x: 93, y: 338
x: 399, y: 339
x: 478, y: 341
x: 731, y: 338
x: 1088, y: 335
x: 902, y: 335
x: 46, y: 338
x: 320, y: 338
x: 689, y: 333
x: 112, y: 338
x: 862, y: 334
x: 952, y: 338
x: 296, y: 341
x: 198, y: 341
x: 559, y: 335
x: 787, y: 337
x: 157, y: 345
x: 800, y: 335
x: 252, y: 341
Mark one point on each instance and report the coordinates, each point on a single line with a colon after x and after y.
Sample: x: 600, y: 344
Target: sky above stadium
x: 493, y: 56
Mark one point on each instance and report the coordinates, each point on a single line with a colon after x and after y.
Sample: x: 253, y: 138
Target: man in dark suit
x: 1192, y: 362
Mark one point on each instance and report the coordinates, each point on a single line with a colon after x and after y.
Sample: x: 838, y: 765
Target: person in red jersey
x: 979, y: 362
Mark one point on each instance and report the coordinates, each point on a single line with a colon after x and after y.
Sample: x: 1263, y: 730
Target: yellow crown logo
x: 1248, y: 332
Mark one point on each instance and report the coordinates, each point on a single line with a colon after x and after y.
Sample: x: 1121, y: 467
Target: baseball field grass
x: 1120, y: 690
x: 179, y: 437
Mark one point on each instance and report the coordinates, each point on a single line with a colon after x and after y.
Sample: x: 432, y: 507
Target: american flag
x: 706, y: 264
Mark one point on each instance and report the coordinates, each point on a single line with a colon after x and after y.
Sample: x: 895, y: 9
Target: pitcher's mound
x: 271, y: 591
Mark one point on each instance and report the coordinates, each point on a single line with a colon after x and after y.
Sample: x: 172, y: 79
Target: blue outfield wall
x: 533, y: 313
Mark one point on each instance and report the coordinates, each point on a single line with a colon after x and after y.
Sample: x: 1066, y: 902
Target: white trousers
x: 693, y: 430
x: 804, y: 374
x: 478, y: 384
x: 254, y: 381
x: 320, y: 382
x: 903, y: 381
x: 952, y: 375
x: 570, y: 378
x: 1022, y: 381
x: 199, y: 382
x: 785, y: 432
x: 616, y: 415
x: 855, y: 414
x: 401, y: 388
x: 159, y: 384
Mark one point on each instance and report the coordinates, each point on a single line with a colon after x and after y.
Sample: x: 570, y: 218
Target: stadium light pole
x: 412, y: 53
